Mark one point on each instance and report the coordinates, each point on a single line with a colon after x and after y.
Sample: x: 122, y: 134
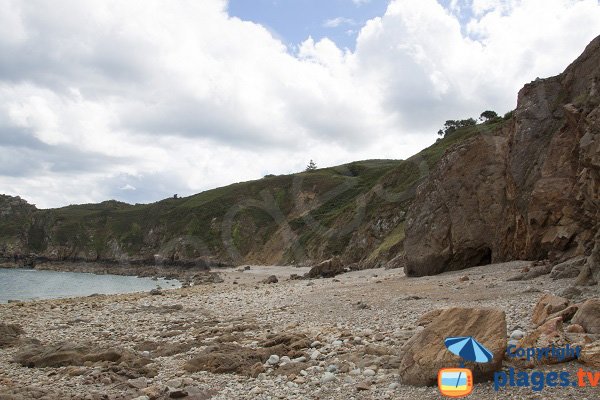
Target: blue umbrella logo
x: 468, y: 349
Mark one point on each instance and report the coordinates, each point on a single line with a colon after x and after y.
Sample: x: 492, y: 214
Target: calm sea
x: 30, y: 284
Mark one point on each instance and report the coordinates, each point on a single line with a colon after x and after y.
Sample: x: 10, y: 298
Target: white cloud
x: 338, y: 21
x: 177, y: 97
x: 361, y: 2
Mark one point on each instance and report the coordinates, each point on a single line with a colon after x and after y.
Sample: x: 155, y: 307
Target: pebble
x: 327, y: 377
x: 369, y: 372
x: 517, y: 334
x: 273, y: 360
x: 315, y: 355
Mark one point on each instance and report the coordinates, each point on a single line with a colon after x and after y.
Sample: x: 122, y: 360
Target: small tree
x: 311, y: 166
x: 488, y: 115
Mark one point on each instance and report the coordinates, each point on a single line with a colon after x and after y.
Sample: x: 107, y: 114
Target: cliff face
x: 529, y: 190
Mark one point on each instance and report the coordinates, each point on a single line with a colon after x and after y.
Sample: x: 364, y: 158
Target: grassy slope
x: 327, y: 197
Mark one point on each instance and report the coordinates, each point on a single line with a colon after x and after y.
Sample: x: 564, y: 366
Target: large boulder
x: 326, y: 269
x: 588, y: 316
x: 548, y: 305
x: 425, y: 354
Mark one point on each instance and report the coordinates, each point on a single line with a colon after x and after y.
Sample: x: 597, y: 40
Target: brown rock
x: 550, y: 334
x: 362, y: 386
x: 546, y: 306
x: 425, y: 353
x: 464, y: 278
x: 574, y: 328
x: 9, y: 334
x: 590, y: 354
x: 588, y: 316
x: 429, y: 316
x: 326, y: 269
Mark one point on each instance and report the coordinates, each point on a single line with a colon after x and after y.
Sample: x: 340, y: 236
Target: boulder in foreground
x: 425, y: 353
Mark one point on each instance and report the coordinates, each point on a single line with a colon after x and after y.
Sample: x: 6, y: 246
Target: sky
x: 139, y: 100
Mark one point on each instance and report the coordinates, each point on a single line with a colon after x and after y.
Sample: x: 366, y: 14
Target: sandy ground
x: 342, y: 318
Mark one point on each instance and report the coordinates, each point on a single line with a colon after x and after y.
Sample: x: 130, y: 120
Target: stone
x: 270, y: 279
x: 590, y: 354
x: 138, y: 383
x: 574, y: 328
x: 326, y: 269
x: 362, y: 386
x: 547, y: 305
x: 369, y: 372
x: 568, y: 269
x: 273, y: 359
x: 156, y: 292
x: 327, y: 377
x: 9, y: 334
x: 550, y: 334
x: 424, y: 354
x: 517, y: 334
x: 588, y: 316
x: 571, y: 292
x: 463, y: 278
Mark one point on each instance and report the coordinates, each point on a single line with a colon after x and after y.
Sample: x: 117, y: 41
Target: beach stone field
x: 253, y: 336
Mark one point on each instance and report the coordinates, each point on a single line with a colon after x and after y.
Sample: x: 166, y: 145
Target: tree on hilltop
x: 311, y: 166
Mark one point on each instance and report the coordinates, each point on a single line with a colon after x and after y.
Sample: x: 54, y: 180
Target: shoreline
x: 350, y: 324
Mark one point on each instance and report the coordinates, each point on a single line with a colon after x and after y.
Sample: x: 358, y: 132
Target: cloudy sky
x: 138, y: 100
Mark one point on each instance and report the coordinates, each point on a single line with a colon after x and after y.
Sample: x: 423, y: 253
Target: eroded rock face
x: 425, y: 353
x: 528, y: 190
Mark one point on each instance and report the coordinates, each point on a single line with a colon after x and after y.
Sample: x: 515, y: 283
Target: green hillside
x: 355, y: 211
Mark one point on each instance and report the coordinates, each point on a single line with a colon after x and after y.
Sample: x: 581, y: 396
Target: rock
x: 174, y: 383
x: 590, y: 354
x: 463, y: 278
x: 156, y: 292
x: 327, y: 377
x: 424, y: 354
x: 568, y: 269
x: 546, y: 306
x: 270, y: 279
x: 273, y: 360
x: 326, y: 269
x: 549, y: 334
x: 574, y: 328
x: 517, y: 334
x: 526, y: 189
x: 177, y: 393
x: 9, y: 335
x: 138, y: 383
x: 362, y: 386
x: 571, y: 292
x: 588, y: 316
x: 369, y: 372
x: 429, y: 316
x: 315, y: 355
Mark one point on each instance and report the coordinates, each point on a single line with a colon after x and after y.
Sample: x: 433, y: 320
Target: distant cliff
x: 529, y: 190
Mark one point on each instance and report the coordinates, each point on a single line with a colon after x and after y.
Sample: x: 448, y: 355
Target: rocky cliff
x: 527, y: 190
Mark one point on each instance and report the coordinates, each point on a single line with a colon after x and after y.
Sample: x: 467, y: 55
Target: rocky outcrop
x: 425, y: 353
x: 326, y: 269
x: 529, y: 189
x: 588, y: 316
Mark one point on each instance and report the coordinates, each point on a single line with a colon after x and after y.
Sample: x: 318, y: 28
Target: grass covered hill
x: 355, y: 211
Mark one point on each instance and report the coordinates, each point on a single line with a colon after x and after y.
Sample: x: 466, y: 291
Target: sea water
x: 31, y: 284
